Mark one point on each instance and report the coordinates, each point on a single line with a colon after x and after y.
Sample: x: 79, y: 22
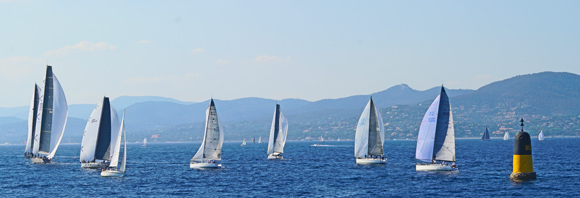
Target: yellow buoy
x: 523, y: 168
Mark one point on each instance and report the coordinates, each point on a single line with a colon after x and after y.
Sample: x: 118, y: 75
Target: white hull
x: 204, y: 165
x: 37, y: 160
x: 370, y: 161
x: 112, y: 173
x: 93, y: 165
x: 275, y: 156
x: 434, y: 167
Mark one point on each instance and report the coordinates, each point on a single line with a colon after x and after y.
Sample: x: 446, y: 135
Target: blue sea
x: 162, y: 170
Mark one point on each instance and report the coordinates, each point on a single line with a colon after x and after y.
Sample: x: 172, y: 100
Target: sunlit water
x: 163, y: 170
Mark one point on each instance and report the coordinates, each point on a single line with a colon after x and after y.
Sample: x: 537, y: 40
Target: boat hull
x: 370, y: 161
x: 36, y: 160
x: 112, y: 173
x: 93, y: 165
x: 273, y: 157
x: 434, y: 167
x: 204, y: 165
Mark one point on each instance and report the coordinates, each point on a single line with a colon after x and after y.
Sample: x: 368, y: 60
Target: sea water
x: 160, y: 170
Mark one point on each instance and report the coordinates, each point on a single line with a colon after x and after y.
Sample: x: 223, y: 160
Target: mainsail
x: 485, y: 135
x: 278, y: 132
x: 506, y: 136
x: 100, y: 133
x: 370, y: 132
x: 53, y: 116
x: 213, y: 137
x: 541, y: 135
x: 436, y: 139
x: 32, y: 117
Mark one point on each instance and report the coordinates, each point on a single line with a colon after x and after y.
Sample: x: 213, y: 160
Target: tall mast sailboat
x: 541, y: 136
x: 47, y: 120
x: 370, y: 136
x: 485, y: 135
x: 436, y: 139
x: 278, y: 134
x: 209, y: 153
x: 100, y: 136
x: 115, y: 169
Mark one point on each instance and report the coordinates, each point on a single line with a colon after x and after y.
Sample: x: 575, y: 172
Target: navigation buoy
x: 523, y: 168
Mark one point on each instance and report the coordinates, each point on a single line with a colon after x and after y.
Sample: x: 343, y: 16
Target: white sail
x: 32, y: 117
x: 541, y: 135
x: 38, y: 121
x: 89, y: 142
x: 426, y: 137
x: 506, y: 136
x: 116, y: 143
x: 436, y: 139
x: 260, y: 139
x: 370, y: 132
x: 145, y: 142
x: 122, y: 130
x: 211, y: 145
x: 278, y: 132
x: 54, y: 115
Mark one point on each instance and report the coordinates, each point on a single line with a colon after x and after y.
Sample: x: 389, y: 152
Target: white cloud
x: 222, y: 61
x: 83, y: 46
x: 266, y: 58
x: 193, y: 51
x: 144, y: 41
x: 482, y: 77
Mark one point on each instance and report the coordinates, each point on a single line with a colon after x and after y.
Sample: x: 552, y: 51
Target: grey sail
x: 45, y: 128
x: 211, y: 145
x: 278, y: 132
x: 485, y: 135
x: 375, y: 138
x: 32, y: 117
x: 102, y: 150
x: 444, y: 143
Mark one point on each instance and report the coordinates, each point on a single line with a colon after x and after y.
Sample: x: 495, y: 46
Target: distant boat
x: 278, y: 133
x: 260, y: 140
x: 100, y: 136
x: 436, y: 139
x: 541, y: 136
x: 47, y: 120
x: 116, y: 170
x: 485, y: 135
x: 209, y: 153
x: 144, y: 142
x: 506, y: 136
x: 253, y: 140
x: 370, y: 135
x: 321, y: 138
x: 243, y: 142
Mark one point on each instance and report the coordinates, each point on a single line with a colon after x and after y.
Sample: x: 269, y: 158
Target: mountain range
x: 550, y: 101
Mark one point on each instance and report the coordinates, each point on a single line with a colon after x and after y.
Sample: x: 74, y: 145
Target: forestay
x: 211, y: 145
x: 278, y: 132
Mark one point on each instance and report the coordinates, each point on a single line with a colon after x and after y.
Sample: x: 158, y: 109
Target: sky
x: 312, y: 50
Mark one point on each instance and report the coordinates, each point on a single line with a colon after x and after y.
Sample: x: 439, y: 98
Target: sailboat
x: 541, y: 136
x: 485, y: 135
x: 209, y: 153
x: 370, y: 135
x: 278, y: 134
x: 321, y: 138
x: 47, y: 120
x: 100, y: 136
x: 116, y: 170
x: 506, y: 136
x: 243, y: 142
x: 260, y: 140
x: 144, y: 142
x: 436, y: 139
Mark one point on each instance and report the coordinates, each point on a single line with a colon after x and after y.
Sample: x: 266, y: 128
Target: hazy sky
x: 191, y: 50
